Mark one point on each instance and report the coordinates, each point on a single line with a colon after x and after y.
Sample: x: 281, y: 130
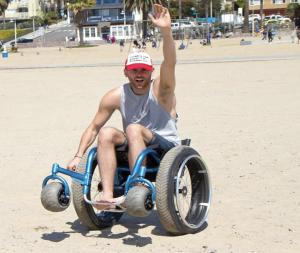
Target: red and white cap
x: 139, y: 60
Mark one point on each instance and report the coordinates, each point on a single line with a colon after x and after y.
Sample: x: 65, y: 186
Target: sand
x: 238, y: 104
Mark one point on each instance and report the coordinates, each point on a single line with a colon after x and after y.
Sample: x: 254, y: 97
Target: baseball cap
x: 138, y: 60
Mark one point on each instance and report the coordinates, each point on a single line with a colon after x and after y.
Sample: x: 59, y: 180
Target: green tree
x: 145, y: 7
x: 77, y: 7
x: 203, y: 7
x: 293, y: 10
x: 3, y: 7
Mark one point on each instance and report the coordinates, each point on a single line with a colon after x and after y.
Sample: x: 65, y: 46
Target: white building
x: 23, y: 9
x: 109, y: 20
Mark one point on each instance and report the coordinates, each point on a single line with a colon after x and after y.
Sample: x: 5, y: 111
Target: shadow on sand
x: 133, y: 235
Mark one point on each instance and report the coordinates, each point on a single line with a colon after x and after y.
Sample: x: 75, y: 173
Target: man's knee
x: 107, y: 135
x: 137, y: 131
x: 134, y: 130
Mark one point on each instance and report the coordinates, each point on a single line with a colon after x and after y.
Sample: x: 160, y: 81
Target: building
x: 23, y: 9
x: 109, y: 19
x: 270, y: 6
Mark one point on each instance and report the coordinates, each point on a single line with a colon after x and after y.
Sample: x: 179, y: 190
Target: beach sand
x: 238, y: 104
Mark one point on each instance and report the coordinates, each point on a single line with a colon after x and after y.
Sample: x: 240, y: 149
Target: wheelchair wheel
x: 53, y: 197
x: 183, y: 191
x: 139, y: 201
x: 87, y: 214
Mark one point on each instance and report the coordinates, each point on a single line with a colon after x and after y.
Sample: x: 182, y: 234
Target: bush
x: 6, y: 35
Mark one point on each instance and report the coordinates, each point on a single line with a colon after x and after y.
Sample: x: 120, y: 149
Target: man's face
x: 139, y: 79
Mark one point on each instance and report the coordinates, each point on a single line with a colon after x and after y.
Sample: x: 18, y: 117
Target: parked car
x: 174, y: 26
x: 285, y: 20
x: 182, y: 24
x: 22, y: 40
x: 254, y: 17
x: 276, y: 19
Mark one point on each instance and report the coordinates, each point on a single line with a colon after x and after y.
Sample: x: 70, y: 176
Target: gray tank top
x: 145, y: 110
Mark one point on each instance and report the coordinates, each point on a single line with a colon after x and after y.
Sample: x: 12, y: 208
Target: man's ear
x: 125, y: 72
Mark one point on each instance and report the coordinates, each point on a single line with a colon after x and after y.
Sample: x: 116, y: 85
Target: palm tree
x: 144, y: 6
x: 246, y: 17
x: 77, y: 7
x: 261, y: 11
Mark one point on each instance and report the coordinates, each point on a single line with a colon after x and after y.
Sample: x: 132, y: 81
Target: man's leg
x: 108, y: 139
x: 137, y: 137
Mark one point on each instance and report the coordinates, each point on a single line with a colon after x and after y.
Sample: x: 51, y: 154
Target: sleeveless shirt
x: 146, y: 110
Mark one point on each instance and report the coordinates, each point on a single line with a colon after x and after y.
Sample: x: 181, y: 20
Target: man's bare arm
x: 108, y: 104
x: 166, y: 80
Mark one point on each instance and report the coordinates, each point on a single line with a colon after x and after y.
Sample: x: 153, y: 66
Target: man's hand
x: 74, y: 163
x: 161, y: 16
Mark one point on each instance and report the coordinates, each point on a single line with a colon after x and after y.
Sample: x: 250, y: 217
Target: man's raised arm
x: 161, y: 18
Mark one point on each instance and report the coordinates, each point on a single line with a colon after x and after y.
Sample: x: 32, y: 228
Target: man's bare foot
x: 109, y: 204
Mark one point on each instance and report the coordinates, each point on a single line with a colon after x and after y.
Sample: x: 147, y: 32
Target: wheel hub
x: 149, y: 203
x: 183, y: 191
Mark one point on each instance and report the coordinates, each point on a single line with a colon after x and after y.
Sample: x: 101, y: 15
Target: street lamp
x: 68, y: 13
x: 15, y: 30
x: 124, y: 12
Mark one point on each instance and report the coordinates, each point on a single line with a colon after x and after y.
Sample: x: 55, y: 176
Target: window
x: 113, y: 30
x: 109, y: 1
x: 90, y: 32
x: 23, y: 9
x: 93, y: 32
x: 105, y: 13
x: 295, y: 1
x: 126, y: 30
x: 254, y: 2
x: 87, y: 32
x: 120, y: 30
x: 278, y: 1
x: 113, y: 12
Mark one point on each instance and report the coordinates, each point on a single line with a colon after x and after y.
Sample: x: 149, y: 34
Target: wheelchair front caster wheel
x: 53, y: 197
x: 139, y: 201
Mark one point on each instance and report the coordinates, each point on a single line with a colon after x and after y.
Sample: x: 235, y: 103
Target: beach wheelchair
x: 177, y: 183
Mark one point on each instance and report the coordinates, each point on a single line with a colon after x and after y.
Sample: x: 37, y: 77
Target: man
x: 298, y: 34
x: 147, y: 107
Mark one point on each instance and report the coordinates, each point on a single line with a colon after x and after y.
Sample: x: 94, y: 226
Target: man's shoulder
x: 114, y: 92
x: 112, y: 97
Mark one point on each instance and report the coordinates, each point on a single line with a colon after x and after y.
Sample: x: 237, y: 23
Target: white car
x: 175, y: 26
x: 183, y: 24
x: 275, y: 19
x: 254, y: 17
x: 285, y: 20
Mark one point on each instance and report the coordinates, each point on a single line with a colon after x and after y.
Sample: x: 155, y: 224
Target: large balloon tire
x: 86, y: 213
x: 53, y: 197
x: 182, y: 161
x: 139, y: 201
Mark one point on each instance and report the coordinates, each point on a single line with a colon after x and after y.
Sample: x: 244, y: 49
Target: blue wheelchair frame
x: 137, y: 176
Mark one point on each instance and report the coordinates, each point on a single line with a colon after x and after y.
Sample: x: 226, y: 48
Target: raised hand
x: 160, y: 16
